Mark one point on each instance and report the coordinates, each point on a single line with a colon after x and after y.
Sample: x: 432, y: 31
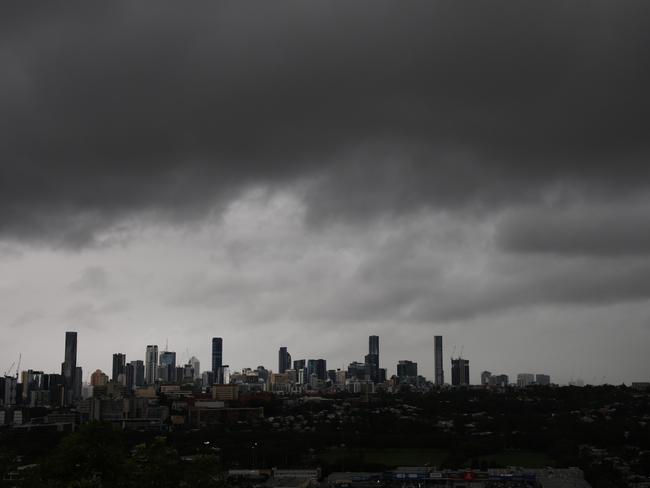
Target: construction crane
x: 8, y: 371
x: 20, y: 357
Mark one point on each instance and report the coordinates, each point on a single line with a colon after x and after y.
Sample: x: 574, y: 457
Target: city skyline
x: 159, y: 360
x: 304, y: 175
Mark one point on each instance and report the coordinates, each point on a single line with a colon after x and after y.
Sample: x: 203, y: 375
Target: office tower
x: 196, y: 366
x: 217, y: 353
x: 300, y: 365
x: 69, y: 367
x: 188, y: 373
x: 407, y: 370
x: 207, y: 378
x: 78, y: 383
x: 543, y: 379
x: 321, y: 369
x: 10, y: 391
x: 459, y: 372
x: 357, y: 370
x: 373, y: 345
x: 439, y: 375
x: 262, y: 373
x: 500, y: 380
x: 485, y: 378
x: 98, y: 378
x: 119, y: 366
x: 525, y: 379
x: 168, y: 366
x: 382, y: 375
x: 222, y: 375
x: 151, y: 365
x: 129, y: 377
x: 284, y: 360
x: 138, y: 373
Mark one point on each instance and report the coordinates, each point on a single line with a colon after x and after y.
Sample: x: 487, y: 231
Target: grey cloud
x: 26, y: 318
x: 92, y: 278
x: 592, y: 230
x: 116, y: 111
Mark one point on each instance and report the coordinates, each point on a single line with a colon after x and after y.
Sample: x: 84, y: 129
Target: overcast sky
x: 309, y: 173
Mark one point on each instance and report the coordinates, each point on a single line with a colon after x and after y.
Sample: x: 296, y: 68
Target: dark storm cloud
x: 118, y: 109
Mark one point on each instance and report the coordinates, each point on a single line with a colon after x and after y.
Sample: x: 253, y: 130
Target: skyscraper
x: 459, y: 372
x: 138, y: 373
x: 284, y: 360
x: 196, y: 366
x: 217, y: 353
x: 151, y: 365
x: 439, y: 375
x: 119, y: 366
x: 372, y: 358
x: 168, y: 366
x: 69, y: 367
x: 407, y: 369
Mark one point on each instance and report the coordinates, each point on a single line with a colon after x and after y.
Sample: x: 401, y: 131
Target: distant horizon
x: 474, y: 372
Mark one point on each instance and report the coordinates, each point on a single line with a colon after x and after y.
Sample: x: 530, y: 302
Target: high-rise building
x: 407, y: 371
x: 168, y: 366
x: 321, y: 369
x: 217, y: 353
x: 151, y: 365
x: 542, y: 379
x: 358, y: 371
x: 525, y: 379
x: 439, y: 375
x: 284, y: 360
x: 372, y: 358
x: 459, y: 372
x: 196, y: 366
x: 69, y: 367
x: 129, y: 377
x: 300, y: 365
x: 138, y: 373
x: 222, y: 375
x: 98, y: 378
x: 78, y: 383
x: 119, y: 366
x: 485, y: 378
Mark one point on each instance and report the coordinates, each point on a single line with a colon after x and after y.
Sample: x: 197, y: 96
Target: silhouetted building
x: 138, y: 373
x: 119, y: 367
x: 439, y: 375
x: 217, y: 353
x: 407, y: 371
x: 69, y: 368
x: 459, y: 372
x: 485, y: 378
x: 284, y: 360
x: 525, y: 379
x: 358, y: 371
x: 151, y: 365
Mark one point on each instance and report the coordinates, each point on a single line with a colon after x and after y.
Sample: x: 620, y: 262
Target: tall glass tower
x: 439, y: 375
x: 69, y: 367
x: 151, y: 364
x: 217, y: 354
